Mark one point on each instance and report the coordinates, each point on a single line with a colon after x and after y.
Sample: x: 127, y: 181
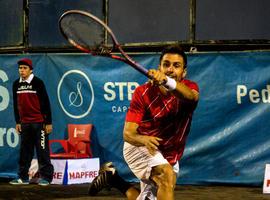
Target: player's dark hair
x: 174, y: 49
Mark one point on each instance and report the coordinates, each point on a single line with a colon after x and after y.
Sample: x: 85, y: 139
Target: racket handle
x: 132, y: 63
x: 141, y: 69
x: 137, y: 66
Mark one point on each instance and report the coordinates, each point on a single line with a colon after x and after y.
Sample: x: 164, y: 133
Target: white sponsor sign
x: 59, y: 170
x: 266, y: 183
x: 82, y: 170
x: 68, y: 171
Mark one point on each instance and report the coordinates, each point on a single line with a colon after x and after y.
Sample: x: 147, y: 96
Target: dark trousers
x: 33, y: 137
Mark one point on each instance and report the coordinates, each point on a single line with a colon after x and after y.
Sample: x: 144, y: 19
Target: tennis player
x: 156, y: 127
x: 157, y: 124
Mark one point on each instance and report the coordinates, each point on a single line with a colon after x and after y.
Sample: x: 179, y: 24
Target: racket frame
x: 126, y: 58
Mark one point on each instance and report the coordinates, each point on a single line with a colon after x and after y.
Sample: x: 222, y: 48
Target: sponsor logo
x: 8, y: 136
x: 25, y: 87
x: 252, y: 95
x: 4, y: 94
x: 75, y: 94
x: 121, y: 93
x: 42, y: 140
x: 83, y: 174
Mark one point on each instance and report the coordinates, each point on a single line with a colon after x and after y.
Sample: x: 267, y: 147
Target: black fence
x: 32, y: 25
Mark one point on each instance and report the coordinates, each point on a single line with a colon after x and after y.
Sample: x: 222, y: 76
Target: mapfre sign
x: 69, y: 171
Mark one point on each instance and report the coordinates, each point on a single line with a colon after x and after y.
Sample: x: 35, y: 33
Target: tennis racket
x: 87, y: 33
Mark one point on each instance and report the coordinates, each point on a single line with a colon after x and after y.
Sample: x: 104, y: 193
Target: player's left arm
x: 183, y: 91
x: 178, y: 89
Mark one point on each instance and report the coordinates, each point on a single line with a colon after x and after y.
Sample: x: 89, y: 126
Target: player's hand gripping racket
x: 87, y: 33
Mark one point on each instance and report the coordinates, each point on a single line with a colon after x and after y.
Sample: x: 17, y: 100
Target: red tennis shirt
x: 163, y: 116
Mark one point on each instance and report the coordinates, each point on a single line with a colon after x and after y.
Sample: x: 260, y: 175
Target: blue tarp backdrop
x: 229, y: 139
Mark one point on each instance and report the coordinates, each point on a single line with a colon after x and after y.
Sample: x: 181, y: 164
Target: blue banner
x: 228, y: 142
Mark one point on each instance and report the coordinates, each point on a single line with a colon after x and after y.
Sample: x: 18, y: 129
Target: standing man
x: 33, y: 123
x: 157, y: 124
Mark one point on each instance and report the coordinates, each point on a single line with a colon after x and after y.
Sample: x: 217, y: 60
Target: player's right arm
x: 133, y: 137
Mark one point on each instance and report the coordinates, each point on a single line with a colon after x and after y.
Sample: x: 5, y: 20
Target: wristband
x: 170, y: 84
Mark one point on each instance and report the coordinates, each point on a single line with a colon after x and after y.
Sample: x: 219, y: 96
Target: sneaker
x: 19, y: 181
x: 43, y: 182
x: 103, y: 180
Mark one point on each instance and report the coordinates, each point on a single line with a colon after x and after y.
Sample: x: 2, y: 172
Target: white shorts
x: 140, y: 161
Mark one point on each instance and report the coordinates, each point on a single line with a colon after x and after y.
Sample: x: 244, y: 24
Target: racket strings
x: 86, y: 34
